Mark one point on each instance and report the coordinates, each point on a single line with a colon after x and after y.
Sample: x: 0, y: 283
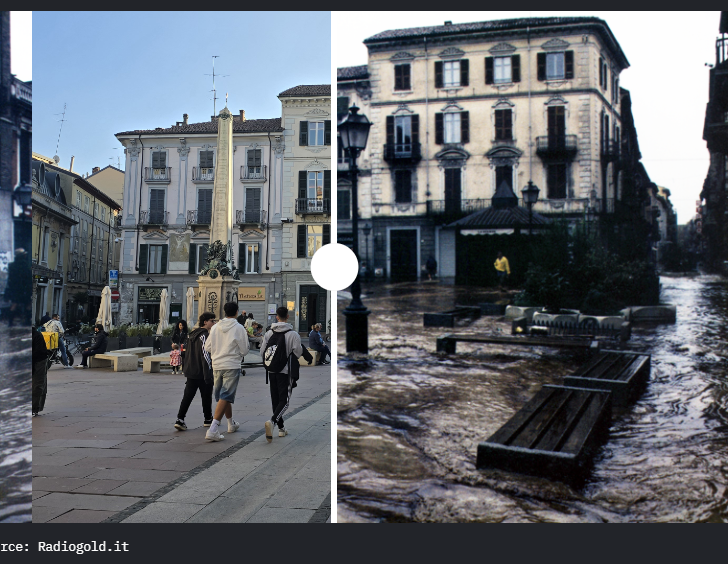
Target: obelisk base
x: 214, y: 293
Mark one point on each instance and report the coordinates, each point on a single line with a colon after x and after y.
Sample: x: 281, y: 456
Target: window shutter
x: 251, y: 157
x: 541, y: 66
x: 489, y: 70
x: 406, y: 77
x: 257, y: 259
x: 438, y: 74
x: 327, y: 185
x: 303, y: 139
x: 342, y: 106
x: 464, y: 72
x: 327, y: 234
x: 241, y: 258
x: 601, y: 72
x: 516, y: 68
x: 162, y: 159
x: 143, y: 256
x: 302, y: 184
x: 465, y: 127
x: 439, y: 129
x: 415, y: 130
x: 398, y: 77
x: 569, y: 64
x: 155, y: 159
x: 164, y: 259
x: 390, y: 132
x: 327, y: 132
x: 206, y: 160
x: 301, y: 241
x: 192, y: 266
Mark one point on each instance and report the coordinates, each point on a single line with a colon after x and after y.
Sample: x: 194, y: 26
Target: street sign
x: 115, y: 295
x: 114, y: 308
x: 113, y: 278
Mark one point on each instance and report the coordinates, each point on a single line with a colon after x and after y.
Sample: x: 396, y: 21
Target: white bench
x: 139, y: 351
x: 315, y: 354
x: 117, y: 361
x: 153, y: 363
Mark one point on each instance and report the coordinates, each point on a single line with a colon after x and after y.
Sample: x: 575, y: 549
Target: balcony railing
x: 461, y: 208
x: 312, y: 205
x: 250, y: 217
x: 253, y: 173
x: 203, y: 174
x: 408, y: 152
x: 157, y: 174
x: 116, y: 223
x: 556, y: 146
x: 609, y: 150
x: 22, y: 91
x: 154, y: 217
x: 199, y: 217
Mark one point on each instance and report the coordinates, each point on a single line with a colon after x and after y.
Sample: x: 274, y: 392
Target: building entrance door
x: 403, y: 254
x: 148, y: 313
x: 453, y: 193
x: 311, y: 308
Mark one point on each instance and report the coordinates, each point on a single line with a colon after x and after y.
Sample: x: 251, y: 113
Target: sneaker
x: 269, y: 431
x: 233, y: 426
x: 68, y: 366
x: 181, y: 425
x: 216, y: 436
x: 80, y: 366
x: 282, y: 432
x: 35, y: 414
x: 207, y: 422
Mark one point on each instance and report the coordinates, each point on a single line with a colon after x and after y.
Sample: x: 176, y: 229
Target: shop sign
x: 150, y: 294
x: 251, y: 294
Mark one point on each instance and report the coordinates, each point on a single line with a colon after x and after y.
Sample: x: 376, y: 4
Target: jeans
x: 62, y: 348
x: 225, y: 384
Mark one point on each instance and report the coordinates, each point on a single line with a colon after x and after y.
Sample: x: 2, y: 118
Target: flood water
x: 410, y: 420
x: 15, y: 425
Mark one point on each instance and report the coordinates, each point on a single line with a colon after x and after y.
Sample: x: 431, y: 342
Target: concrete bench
x: 138, y: 351
x: 153, y: 363
x: 555, y: 434
x: 315, y: 354
x: 118, y: 361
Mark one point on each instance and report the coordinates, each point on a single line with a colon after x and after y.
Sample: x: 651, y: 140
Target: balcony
x: 609, y: 151
x: 716, y: 126
x: 250, y: 217
x: 21, y: 91
x: 203, y: 175
x: 153, y: 218
x: 306, y: 206
x: 157, y: 175
x: 199, y: 218
x: 253, y: 173
x: 116, y: 223
x: 403, y: 153
x: 556, y: 147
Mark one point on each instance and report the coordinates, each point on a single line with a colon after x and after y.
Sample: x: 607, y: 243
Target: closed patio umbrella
x: 190, y: 306
x: 163, y: 312
x: 104, y: 317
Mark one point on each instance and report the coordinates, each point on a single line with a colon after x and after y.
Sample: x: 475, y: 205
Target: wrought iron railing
x: 153, y: 217
x: 200, y: 174
x: 556, y: 144
x: 250, y: 216
x: 402, y: 151
x: 22, y: 91
x: 312, y: 205
x: 438, y: 207
x: 199, y: 217
x: 253, y: 172
x: 157, y: 174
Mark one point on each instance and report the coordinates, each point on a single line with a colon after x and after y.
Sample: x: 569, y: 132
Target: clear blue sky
x: 126, y: 70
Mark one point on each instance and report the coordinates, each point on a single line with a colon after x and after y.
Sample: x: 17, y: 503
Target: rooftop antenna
x: 214, y: 92
x: 63, y: 118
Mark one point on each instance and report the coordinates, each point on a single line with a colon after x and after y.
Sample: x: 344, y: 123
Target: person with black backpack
x: 281, y: 347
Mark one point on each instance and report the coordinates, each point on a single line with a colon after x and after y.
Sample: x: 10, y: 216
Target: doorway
x: 311, y: 308
x: 453, y: 191
x: 403, y: 254
x: 148, y: 313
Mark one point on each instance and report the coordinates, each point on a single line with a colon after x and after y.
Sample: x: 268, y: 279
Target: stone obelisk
x: 218, y: 281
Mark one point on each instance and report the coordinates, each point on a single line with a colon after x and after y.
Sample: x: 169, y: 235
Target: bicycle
x: 54, y: 355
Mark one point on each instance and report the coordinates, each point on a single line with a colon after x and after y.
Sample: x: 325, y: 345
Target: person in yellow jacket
x: 502, y: 269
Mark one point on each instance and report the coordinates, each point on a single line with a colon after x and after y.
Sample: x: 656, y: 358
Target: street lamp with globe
x: 530, y: 197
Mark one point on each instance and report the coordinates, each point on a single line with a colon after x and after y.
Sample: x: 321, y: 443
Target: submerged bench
x: 625, y: 374
x: 554, y: 435
x: 119, y: 362
x: 448, y: 343
x: 448, y: 318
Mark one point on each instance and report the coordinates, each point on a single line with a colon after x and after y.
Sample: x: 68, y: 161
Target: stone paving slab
x: 105, y: 451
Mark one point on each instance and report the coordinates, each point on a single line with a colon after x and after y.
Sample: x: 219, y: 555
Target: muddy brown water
x: 410, y: 420
x: 15, y: 425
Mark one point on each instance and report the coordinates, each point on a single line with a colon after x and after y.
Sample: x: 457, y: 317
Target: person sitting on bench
x: 98, y: 345
x: 316, y: 343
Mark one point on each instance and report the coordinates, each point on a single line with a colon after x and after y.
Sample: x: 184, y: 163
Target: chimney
x: 185, y: 117
x: 72, y: 159
x: 448, y: 22
x: 94, y: 170
x: 242, y: 115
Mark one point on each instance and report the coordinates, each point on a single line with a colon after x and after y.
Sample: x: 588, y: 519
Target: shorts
x: 225, y: 384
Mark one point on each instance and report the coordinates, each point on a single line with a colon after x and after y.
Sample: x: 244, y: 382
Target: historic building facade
x: 459, y: 109
x: 306, y: 221
x: 714, y: 196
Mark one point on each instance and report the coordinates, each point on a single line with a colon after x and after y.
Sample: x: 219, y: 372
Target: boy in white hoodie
x: 227, y: 345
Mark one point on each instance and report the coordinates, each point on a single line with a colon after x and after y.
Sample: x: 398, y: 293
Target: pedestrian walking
x: 431, y: 266
x: 39, y: 372
x: 98, y: 345
x: 502, y: 268
x: 180, y: 333
x: 55, y: 325
x: 227, y: 345
x: 250, y: 321
x: 316, y: 342
x: 197, y: 367
x: 278, y: 346
x: 18, y: 289
x: 175, y: 360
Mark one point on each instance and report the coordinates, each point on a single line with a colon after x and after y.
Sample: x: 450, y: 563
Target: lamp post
x: 367, y: 229
x: 354, y: 131
x: 22, y: 215
x: 530, y: 196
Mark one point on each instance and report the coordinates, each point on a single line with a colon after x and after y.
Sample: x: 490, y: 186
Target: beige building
x: 110, y: 180
x: 460, y: 109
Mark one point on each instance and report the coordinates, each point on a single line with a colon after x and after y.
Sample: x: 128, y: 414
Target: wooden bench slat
x: 594, y: 422
x: 604, y: 366
x: 638, y: 363
x: 562, y: 427
x: 521, y: 418
x: 542, y: 420
x: 593, y: 361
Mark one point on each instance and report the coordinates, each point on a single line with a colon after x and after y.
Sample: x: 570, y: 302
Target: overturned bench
x: 625, y: 374
x: 119, y: 362
x: 448, y: 318
x: 448, y: 343
x: 554, y: 435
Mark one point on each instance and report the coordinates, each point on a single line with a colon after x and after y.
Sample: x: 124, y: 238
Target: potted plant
x: 165, y: 341
x: 112, y: 341
x: 122, y: 336
x: 146, y: 335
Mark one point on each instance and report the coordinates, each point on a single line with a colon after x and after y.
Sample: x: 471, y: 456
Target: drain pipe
x: 141, y: 173
x: 267, y: 219
x: 530, y: 132
x: 427, y: 124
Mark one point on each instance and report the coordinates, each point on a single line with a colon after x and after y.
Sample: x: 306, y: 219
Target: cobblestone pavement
x: 105, y: 449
